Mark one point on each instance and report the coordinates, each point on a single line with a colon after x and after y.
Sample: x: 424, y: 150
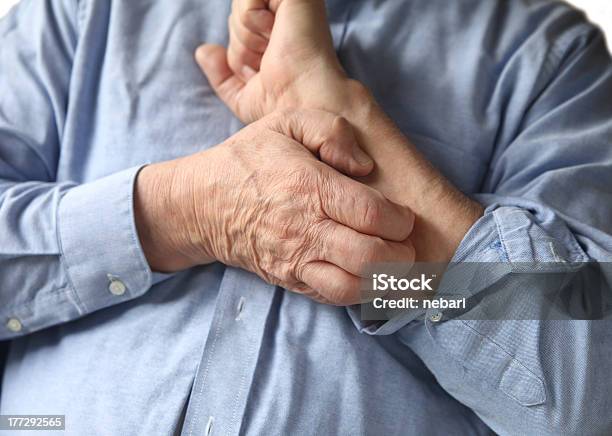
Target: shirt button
x: 14, y: 325
x: 435, y: 317
x: 116, y: 287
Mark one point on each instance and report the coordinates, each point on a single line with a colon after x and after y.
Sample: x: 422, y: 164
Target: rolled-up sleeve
x: 66, y: 249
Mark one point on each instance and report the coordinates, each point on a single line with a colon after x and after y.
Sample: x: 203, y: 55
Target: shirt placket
x: 225, y: 373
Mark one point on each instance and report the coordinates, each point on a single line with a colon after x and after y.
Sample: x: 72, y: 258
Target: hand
x: 280, y: 56
x: 299, y: 68
x: 263, y: 202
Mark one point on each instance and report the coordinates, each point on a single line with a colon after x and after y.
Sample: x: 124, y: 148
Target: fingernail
x: 361, y: 157
x: 248, y: 72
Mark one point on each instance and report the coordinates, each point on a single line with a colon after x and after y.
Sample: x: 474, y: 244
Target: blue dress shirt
x: 510, y: 99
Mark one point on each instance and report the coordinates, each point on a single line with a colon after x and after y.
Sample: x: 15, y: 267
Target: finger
x: 212, y: 60
x: 297, y: 287
x: 327, y: 135
x: 341, y: 150
x: 364, y: 209
x: 255, y: 15
x: 251, y: 40
x: 307, y: 291
x: 332, y: 283
x: 260, y: 21
x: 242, y: 61
x: 358, y: 253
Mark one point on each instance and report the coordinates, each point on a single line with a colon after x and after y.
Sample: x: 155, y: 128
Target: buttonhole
x: 209, y: 425
x: 239, y: 309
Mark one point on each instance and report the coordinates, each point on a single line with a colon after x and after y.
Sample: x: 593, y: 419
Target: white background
x: 600, y: 12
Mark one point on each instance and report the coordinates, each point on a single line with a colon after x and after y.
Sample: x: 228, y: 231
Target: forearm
x: 403, y: 174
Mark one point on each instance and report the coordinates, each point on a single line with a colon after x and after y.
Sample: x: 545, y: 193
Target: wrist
x: 158, y: 218
x: 332, y: 92
x: 443, y: 222
x: 351, y: 99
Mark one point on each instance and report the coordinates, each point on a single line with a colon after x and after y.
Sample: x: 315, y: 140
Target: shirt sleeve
x: 65, y: 249
x: 548, y: 198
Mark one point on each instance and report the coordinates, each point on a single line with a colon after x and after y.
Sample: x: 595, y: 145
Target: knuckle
x: 285, y: 230
x: 310, y: 243
x: 248, y: 38
x: 249, y: 19
x: 290, y: 269
x: 325, y: 240
x: 297, y: 272
x: 251, y: 40
x: 370, y: 253
x: 244, y: 15
x: 299, y: 180
x: 328, y: 191
x: 243, y: 54
x: 372, y: 213
x: 286, y: 113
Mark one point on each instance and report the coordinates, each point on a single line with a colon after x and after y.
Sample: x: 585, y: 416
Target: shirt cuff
x: 99, y: 243
x: 512, y: 236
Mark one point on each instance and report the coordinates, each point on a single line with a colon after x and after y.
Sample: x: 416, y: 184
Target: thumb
x: 212, y: 60
x: 327, y: 135
x: 341, y: 150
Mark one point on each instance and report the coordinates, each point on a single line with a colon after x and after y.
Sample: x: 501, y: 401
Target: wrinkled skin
x: 262, y: 201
